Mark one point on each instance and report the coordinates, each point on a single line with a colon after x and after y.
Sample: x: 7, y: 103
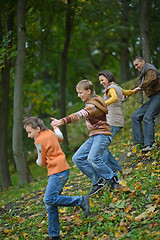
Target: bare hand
x: 123, y: 98
x: 137, y: 89
x: 55, y: 122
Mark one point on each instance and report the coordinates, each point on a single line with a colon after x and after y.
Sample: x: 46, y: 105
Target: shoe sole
x: 148, y: 150
x: 97, y: 190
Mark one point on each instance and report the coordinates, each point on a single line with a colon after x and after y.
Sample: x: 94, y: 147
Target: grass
x: 130, y: 213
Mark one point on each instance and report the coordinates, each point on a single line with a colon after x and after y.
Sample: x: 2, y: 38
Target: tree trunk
x: 4, y: 165
x: 5, y: 76
x: 64, y: 68
x: 124, y: 64
x: 20, y: 160
x: 124, y: 52
x: 144, y: 24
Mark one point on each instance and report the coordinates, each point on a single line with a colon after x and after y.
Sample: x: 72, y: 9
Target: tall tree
x: 124, y: 42
x: 4, y: 111
x: 68, y: 27
x: 144, y: 24
x: 18, y: 152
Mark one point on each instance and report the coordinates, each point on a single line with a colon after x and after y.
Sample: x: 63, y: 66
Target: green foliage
x: 6, y: 51
x: 41, y: 97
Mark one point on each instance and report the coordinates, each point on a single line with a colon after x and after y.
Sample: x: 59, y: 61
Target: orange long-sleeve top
x: 50, y: 152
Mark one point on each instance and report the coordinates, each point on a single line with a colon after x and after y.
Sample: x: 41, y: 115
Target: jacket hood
x: 99, y: 103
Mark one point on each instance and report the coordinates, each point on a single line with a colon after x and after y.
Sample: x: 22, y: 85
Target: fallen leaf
x: 67, y: 188
x: 111, y: 205
x: 21, y: 220
x: 144, y: 214
x: 123, y: 183
x: 100, y: 218
x: 134, y: 150
x: 122, y: 229
x: 128, y: 208
x: 120, y: 204
x: 118, y: 234
x: 129, y: 154
x: 62, y: 210
x: 127, y: 171
x: 77, y: 220
x: 129, y: 217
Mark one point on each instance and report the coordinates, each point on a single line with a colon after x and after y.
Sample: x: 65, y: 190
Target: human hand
x: 137, y: 89
x: 55, y: 122
x: 124, y: 98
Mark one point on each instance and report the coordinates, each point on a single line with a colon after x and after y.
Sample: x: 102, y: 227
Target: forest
x: 47, y: 47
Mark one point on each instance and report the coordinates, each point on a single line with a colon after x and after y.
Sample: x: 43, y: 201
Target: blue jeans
x: 89, y: 158
x: 108, y: 157
x: 146, y: 113
x: 115, y: 130
x: 53, y: 199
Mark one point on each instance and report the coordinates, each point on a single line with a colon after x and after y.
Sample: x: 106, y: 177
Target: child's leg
x: 54, y: 187
x: 80, y: 160
x: 111, y: 162
x: 100, y: 142
x: 108, y: 157
x: 115, y: 130
x: 53, y: 199
x: 53, y: 219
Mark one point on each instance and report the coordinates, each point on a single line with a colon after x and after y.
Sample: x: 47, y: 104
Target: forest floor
x: 131, y: 212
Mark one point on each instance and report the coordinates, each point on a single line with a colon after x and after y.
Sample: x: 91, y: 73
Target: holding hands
x: 137, y: 89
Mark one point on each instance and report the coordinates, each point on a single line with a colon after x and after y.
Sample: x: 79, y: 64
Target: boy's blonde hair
x: 86, y: 84
x: 35, y: 122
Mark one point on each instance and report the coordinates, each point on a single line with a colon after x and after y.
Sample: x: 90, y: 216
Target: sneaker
x: 117, y: 180
x: 114, y: 184
x: 148, y: 148
x: 85, y: 205
x: 137, y: 146
x: 97, y: 187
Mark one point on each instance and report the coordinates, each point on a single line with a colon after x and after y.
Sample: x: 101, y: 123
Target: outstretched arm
x: 55, y: 122
x: 131, y: 92
x: 137, y: 89
x: 71, y: 118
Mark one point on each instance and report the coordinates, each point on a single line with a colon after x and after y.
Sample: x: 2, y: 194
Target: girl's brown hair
x: 35, y: 122
x: 108, y: 75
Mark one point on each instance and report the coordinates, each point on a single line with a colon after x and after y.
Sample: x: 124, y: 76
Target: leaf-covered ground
x: 130, y: 213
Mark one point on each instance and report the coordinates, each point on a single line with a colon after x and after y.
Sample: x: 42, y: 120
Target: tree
x: 68, y: 27
x: 144, y: 25
x: 6, y: 30
x: 5, y: 76
x: 124, y: 42
x: 20, y: 160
